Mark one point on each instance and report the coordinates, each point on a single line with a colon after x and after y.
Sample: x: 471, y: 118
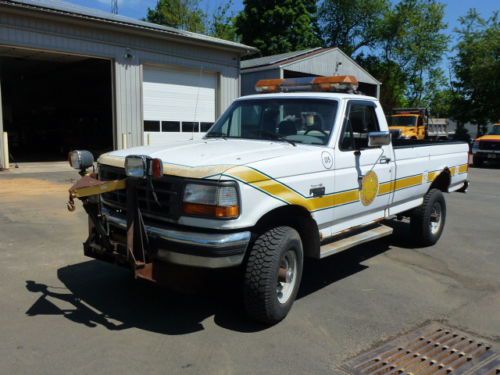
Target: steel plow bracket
x: 89, y: 186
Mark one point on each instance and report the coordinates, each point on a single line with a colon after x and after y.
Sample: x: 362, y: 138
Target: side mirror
x: 379, y: 139
x: 81, y: 160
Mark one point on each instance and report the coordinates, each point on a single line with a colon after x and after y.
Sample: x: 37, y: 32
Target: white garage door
x: 178, y: 104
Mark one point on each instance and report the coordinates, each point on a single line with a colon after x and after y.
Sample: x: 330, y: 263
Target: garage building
x: 307, y: 63
x: 73, y: 77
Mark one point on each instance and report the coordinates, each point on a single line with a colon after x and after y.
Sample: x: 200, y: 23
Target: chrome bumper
x: 196, y: 249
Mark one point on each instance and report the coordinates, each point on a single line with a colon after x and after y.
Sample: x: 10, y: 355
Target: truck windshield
x: 308, y: 121
x: 495, y: 130
x: 402, y: 120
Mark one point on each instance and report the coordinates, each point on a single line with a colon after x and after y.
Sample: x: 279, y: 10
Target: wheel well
x: 298, y: 218
x: 442, y: 181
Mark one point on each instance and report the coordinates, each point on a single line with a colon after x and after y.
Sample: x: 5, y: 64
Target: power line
x: 114, y: 6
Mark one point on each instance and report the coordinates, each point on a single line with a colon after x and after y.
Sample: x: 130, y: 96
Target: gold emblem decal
x: 369, y: 188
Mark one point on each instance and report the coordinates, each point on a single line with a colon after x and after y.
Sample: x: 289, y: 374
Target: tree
x: 181, y: 14
x: 352, y: 24
x: 222, y: 24
x: 413, y: 37
x: 477, y: 69
x: 278, y: 26
x: 393, y: 89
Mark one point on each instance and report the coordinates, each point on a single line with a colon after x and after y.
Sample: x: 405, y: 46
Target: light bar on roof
x: 332, y: 84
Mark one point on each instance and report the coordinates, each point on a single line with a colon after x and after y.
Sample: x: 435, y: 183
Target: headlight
x: 81, y: 159
x: 216, y: 201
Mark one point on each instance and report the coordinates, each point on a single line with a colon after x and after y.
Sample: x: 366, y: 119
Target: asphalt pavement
x: 63, y: 313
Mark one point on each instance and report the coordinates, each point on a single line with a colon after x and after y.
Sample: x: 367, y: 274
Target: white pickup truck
x: 281, y: 176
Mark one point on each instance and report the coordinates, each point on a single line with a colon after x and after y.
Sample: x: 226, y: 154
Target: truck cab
x: 305, y: 169
x: 487, y: 147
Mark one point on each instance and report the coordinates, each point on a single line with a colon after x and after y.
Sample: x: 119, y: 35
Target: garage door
x: 178, y: 104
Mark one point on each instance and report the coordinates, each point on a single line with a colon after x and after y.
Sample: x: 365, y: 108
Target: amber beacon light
x: 329, y: 84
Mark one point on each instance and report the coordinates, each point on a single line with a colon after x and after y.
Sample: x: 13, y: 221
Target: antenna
x: 197, y: 100
x: 114, y: 6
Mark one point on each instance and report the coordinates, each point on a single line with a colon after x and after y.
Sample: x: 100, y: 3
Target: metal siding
x: 324, y: 64
x: 93, y: 40
x: 128, y: 97
x: 248, y: 80
x: 229, y: 88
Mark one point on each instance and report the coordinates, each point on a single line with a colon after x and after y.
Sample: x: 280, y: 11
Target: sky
x: 138, y: 9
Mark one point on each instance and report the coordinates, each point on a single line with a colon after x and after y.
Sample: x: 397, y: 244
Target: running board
x: 354, y: 240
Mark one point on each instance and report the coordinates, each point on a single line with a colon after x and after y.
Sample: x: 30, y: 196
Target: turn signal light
x: 157, y: 168
x: 219, y: 212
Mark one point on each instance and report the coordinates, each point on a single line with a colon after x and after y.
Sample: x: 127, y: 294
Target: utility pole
x: 114, y: 6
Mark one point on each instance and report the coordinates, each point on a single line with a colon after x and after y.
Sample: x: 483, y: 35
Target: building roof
x: 68, y: 9
x: 274, y: 59
x: 298, y: 59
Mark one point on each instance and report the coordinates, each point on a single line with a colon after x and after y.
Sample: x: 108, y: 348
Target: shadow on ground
x: 99, y: 294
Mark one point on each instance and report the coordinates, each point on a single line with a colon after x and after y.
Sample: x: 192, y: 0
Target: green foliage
x: 477, y: 69
x: 181, y: 14
x: 413, y: 37
x: 222, y: 24
x: 352, y: 24
x: 392, y: 92
x: 278, y: 26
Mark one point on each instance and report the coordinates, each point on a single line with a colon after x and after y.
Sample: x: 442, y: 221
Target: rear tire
x: 427, y: 221
x: 268, y: 293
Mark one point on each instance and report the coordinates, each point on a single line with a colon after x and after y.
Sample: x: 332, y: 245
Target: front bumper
x: 486, y: 154
x: 192, y: 248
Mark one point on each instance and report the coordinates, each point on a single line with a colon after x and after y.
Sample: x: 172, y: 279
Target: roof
x: 274, y: 59
x: 60, y: 7
x: 287, y: 60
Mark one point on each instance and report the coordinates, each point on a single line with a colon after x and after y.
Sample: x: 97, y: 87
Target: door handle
x: 384, y: 160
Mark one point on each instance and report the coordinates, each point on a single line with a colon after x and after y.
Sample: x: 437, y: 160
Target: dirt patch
x: 31, y: 187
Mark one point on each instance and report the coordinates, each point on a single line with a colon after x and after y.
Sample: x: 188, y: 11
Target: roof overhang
x: 128, y: 25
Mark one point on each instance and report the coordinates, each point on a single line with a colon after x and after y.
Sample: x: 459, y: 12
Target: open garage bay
x: 54, y: 103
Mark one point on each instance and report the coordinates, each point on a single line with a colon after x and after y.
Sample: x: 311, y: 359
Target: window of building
x: 151, y: 126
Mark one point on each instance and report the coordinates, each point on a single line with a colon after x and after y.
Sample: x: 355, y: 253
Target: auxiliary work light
x: 142, y: 166
x: 81, y: 160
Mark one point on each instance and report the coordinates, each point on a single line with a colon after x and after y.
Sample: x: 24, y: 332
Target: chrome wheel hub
x: 287, y: 276
x: 436, y: 218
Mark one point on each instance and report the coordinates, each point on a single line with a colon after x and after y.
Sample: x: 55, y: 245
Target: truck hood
x: 202, y: 158
x: 494, y: 138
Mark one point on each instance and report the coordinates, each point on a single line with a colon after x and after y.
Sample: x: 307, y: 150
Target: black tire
x: 477, y: 161
x: 425, y: 229
x: 261, y: 296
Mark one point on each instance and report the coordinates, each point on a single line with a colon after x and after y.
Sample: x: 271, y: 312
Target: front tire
x: 427, y: 221
x: 273, y: 273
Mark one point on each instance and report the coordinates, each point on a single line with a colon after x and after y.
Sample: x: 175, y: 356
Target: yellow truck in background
x: 487, y: 147
x: 416, y: 124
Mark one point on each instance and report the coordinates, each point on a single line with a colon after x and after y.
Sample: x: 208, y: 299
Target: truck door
x: 363, y: 176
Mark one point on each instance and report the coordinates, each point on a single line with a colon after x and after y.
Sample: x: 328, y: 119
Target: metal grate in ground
x: 435, y: 350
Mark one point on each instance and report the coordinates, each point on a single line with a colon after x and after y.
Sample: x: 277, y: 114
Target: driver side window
x: 361, y: 120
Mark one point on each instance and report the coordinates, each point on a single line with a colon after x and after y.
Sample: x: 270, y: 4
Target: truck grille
x: 489, y: 145
x: 168, y: 190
